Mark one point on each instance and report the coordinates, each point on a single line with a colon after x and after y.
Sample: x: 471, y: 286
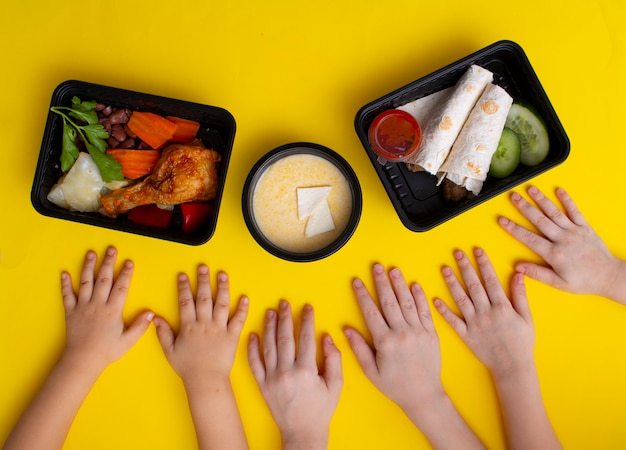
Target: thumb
x: 333, y: 372
x: 138, y: 327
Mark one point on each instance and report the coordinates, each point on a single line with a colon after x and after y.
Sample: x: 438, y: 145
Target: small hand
x: 301, y: 397
x: 499, y: 332
x: 405, y: 361
x: 96, y: 333
x: 206, y: 343
x: 578, y: 261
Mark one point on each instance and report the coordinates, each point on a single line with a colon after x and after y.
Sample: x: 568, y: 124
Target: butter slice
x: 312, y: 205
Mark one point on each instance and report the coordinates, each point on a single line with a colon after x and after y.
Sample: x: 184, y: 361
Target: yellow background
x: 299, y: 71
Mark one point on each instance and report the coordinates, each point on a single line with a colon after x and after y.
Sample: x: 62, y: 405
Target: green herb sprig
x: 93, y: 135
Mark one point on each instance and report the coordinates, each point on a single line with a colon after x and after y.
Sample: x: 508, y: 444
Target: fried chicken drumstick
x: 185, y: 173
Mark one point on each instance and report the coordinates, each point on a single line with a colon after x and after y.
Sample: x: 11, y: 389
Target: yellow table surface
x: 299, y: 71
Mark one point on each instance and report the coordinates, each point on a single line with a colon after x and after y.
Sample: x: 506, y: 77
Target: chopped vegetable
x: 195, y: 215
x: 135, y: 163
x: 186, y: 129
x: 151, y: 215
x: 151, y: 128
x: 93, y: 135
x: 532, y: 133
x: 506, y: 158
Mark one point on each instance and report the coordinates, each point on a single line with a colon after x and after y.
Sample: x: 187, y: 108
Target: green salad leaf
x: 93, y: 135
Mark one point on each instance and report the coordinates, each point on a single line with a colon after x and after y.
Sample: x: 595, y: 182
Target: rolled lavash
x: 445, y: 123
x: 470, y: 156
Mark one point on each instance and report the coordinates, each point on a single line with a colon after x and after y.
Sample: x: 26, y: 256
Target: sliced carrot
x: 186, y: 129
x: 151, y: 128
x: 135, y: 163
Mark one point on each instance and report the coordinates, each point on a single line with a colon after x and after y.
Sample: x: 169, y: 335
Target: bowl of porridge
x: 302, y: 202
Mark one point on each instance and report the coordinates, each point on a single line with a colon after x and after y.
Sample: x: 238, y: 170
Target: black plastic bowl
x: 417, y: 199
x: 295, y: 149
x: 217, y: 131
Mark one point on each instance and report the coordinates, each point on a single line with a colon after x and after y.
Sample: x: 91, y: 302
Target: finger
x: 285, y: 341
x: 363, y: 352
x: 120, y: 289
x: 221, y: 309
x: 236, y: 323
x: 307, y: 347
x: 570, y: 208
x: 373, y: 318
x: 85, y: 289
x: 541, y: 273
x: 333, y: 372
x: 405, y: 299
x: 104, y: 279
x: 473, y: 283
x: 549, y: 209
x: 423, y: 310
x: 269, y: 341
x: 533, y: 241
x: 204, y: 296
x: 542, y: 222
x: 457, y: 323
x: 165, y: 334
x: 491, y: 283
x: 138, y: 328
x: 519, y: 299
x: 186, y: 305
x: 387, y: 297
x: 459, y: 295
x: 67, y: 292
x: 254, y: 359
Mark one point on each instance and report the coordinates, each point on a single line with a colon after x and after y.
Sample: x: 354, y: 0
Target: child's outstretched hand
x: 578, y: 261
x: 96, y: 334
x: 301, y: 397
x: 202, y: 353
x: 95, y: 337
x: 499, y: 332
x: 405, y: 361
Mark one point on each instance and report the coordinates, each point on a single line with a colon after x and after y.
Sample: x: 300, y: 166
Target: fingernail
x: 478, y: 251
x: 446, y: 271
x: 270, y: 314
x: 503, y: 220
x: 110, y: 251
x: 203, y: 270
x: 283, y: 304
x: 378, y: 268
x: 458, y: 255
x: 245, y: 300
x: 357, y: 283
x: 307, y: 308
x: 150, y: 316
x: 395, y: 273
x: 533, y: 190
x: 519, y: 278
x: 516, y: 197
x: 128, y: 264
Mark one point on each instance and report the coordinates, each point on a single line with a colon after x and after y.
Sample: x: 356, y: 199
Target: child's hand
x: 577, y: 259
x: 405, y: 361
x: 301, y: 397
x: 206, y: 343
x: 499, y: 332
x: 96, y: 334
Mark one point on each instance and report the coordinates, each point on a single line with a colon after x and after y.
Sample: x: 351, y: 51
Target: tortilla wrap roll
x: 446, y: 121
x: 470, y: 157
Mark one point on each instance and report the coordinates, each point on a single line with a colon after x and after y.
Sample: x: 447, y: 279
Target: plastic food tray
x: 415, y: 196
x: 217, y: 131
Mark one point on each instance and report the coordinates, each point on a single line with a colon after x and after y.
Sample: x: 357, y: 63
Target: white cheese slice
x: 310, y: 198
x: 320, y: 221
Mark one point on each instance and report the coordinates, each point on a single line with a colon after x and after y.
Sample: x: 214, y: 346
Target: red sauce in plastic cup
x: 394, y: 135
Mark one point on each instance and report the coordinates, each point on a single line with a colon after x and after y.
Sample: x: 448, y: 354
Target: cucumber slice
x: 507, y: 156
x: 531, y: 132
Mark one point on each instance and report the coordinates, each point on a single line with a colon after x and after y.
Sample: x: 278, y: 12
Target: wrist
x: 305, y: 439
x: 615, y: 288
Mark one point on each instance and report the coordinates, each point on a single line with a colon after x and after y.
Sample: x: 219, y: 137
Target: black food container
x: 417, y: 199
x: 217, y: 131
